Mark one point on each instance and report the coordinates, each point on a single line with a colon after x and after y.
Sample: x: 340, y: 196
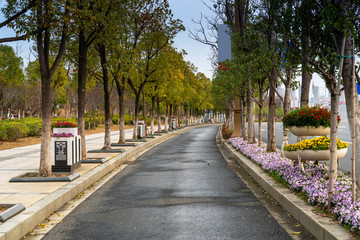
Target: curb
x: 69, y: 178
x: 21, y: 224
x: 321, y: 227
x: 12, y: 211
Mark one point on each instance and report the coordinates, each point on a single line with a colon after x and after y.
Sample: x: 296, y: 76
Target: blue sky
x: 198, y: 53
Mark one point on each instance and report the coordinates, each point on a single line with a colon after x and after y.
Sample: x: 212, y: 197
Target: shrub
x: 12, y: 130
x: 226, y: 132
x: 34, y: 125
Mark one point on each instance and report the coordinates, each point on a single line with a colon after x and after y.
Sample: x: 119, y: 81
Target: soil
x: 36, y: 140
x: 3, y: 209
x: 37, y: 175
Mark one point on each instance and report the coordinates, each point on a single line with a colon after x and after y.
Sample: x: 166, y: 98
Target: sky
x: 197, y: 53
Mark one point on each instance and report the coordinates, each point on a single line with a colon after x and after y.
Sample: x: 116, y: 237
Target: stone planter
x: 320, y: 155
x: 292, y: 155
x: 73, y: 131
x: 310, y: 131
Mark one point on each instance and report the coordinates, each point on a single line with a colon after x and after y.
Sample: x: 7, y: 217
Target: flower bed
x: 315, y: 187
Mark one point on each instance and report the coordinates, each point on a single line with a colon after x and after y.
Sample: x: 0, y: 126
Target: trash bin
x: 65, y: 150
x: 173, y: 122
x: 141, y: 129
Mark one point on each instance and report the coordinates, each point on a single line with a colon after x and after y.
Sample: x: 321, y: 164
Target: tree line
x: 275, y: 41
x: 114, y: 49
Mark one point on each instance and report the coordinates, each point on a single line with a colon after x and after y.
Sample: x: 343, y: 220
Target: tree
x: 11, y: 75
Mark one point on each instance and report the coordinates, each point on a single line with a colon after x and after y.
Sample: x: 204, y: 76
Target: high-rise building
x: 316, y: 94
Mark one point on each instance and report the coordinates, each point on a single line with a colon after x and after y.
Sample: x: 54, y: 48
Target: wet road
x: 181, y: 189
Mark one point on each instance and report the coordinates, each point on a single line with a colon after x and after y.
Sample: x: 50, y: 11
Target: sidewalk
x: 43, y: 198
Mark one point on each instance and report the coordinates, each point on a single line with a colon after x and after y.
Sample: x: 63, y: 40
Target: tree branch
x: 7, y: 21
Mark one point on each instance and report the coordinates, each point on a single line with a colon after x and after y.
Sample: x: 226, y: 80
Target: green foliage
x: 10, y: 67
x: 10, y: 131
x: 34, y: 126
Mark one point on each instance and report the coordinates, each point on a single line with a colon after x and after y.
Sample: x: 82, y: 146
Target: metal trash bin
x: 141, y: 129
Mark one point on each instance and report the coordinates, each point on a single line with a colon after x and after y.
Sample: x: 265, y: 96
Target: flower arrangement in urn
x: 65, y: 125
x: 315, y: 144
x: 308, y: 116
x: 314, y: 149
x: 309, y: 121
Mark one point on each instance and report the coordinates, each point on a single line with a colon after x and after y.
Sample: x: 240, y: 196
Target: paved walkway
x: 181, y: 189
x: 17, y: 161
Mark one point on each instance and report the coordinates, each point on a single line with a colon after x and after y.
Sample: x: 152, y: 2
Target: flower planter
x: 73, y: 131
x: 320, y: 155
x: 310, y: 131
x: 292, y: 155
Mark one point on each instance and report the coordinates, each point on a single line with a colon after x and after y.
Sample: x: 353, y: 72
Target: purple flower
x: 315, y: 187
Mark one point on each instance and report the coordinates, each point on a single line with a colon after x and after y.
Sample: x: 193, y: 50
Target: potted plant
x: 317, y: 149
x: 65, y: 127
x: 308, y: 121
x: 290, y: 151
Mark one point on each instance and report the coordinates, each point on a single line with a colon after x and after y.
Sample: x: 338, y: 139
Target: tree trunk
x: 121, y: 92
x: 231, y: 120
x: 158, y: 114
x: 166, y: 117
x: 286, y: 107
x: 46, y: 107
x: 250, y: 116
x: 305, y: 75
x: 81, y: 90
x: 244, y: 133
x: 136, y: 118
x: 144, y: 109
x: 333, y: 145
x: 260, y: 123
x: 170, y: 115
x: 107, y: 138
x: 153, y: 115
x: 352, y: 105
x: 271, y: 144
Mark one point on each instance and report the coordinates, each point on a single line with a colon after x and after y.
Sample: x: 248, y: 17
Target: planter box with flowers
x: 315, y: 149
x: 65, y: 147
x: 308, y: 121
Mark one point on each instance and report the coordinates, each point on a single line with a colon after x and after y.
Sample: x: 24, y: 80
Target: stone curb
x: 19, y: 225
x: 321, y: 227
x: 42, y: 179
x: 12, y: 211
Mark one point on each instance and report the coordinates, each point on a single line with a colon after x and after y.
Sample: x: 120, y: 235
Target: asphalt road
x: 343, y: 134
x: 181, y: 189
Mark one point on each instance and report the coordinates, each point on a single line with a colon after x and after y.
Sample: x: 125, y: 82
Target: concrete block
x: 11, y: 230
x: 312, y: 226
x: 332, y: 232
